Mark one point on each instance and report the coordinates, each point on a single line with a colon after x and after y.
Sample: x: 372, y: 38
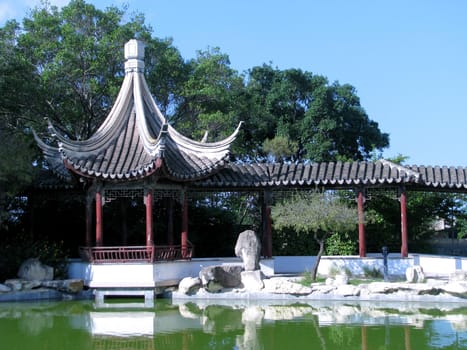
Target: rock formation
x: 248, y: 248
x: 33, y: 270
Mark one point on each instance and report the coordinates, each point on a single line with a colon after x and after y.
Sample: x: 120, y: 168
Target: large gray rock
x: 458, y: 276
x: 215, y: 278
x: 347, y: 290
x: 282, y: 285
x: 248, y: 248
x: 189, y: 285
x: 252, y: 280
x: 415, y: 274
x: 4, y: 288
x: 14, y: 284
x: 33, y: 270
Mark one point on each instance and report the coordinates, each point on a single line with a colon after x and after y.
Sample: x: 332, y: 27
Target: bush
x: 335, y: 270
x: 340, y: 244
x: 372, y: 272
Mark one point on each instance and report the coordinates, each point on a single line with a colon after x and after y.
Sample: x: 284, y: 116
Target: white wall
x: 146, y: 275
x: 354, y: 264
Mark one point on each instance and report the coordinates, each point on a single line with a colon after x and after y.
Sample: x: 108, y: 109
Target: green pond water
x: 232, y: 325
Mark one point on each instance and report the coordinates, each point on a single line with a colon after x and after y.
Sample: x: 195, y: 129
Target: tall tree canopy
x: 326, y: 121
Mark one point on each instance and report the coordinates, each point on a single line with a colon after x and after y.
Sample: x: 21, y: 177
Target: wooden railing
x: 135, y: 253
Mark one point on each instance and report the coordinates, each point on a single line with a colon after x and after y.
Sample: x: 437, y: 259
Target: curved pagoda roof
x: 135, y: 140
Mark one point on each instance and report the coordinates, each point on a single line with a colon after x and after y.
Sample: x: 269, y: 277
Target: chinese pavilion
x: 136, y: 149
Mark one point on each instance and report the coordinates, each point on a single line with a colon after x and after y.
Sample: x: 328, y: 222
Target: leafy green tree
x: 166, y: 73
x: 211, y: 97
x: 280, y: 147
x: 73, y: 50
x: 18, y: 94
x: 325, y: 121
x: 321, y: 214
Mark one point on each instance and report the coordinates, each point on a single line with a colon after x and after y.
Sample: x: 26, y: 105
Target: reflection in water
x: 234, y: 325
x: 122, y: 324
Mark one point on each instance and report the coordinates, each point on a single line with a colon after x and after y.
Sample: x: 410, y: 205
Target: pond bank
x: 288, y: 288
x: 43, y: 294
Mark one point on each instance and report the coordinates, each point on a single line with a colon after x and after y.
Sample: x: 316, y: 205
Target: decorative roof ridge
x: 182, y: 141
x: 105, y: 133
x: 42, y: 145
x: 205, y: 146
x: 411, y: 173
x: 149, y: 142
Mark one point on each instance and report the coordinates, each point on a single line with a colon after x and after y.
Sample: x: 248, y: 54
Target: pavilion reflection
x: 239, y: 324
x: 148, y: 329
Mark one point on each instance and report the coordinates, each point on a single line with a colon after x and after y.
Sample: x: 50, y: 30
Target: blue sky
x: 407, y: 59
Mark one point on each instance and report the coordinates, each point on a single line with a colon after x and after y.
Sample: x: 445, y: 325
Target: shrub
x: 335, y: 270
x: 372, y: 272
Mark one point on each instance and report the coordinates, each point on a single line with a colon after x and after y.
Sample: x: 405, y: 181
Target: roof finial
x: 134, y: 56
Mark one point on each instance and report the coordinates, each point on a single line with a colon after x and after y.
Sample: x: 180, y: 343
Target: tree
x: 325, y: 121
x: 211, y: 97
x: 18, y: 94
x: 73, y: 51
x: 322, y: 214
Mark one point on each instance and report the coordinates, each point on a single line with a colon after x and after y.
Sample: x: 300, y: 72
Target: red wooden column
x: 88, y: 218
x: 361, y: 224
x: 99, y: 220
x: 404, y: 235
x: 184, y: 234
x: 148, y: 199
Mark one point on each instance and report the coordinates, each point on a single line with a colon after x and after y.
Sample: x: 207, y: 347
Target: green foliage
x: 423, y: 210
x: 74, y: 52
x: 372, y: 272
x: 325, y: 120
x: 280, y: 147
x: 341, y: 244
x: 335, y: 270
x: 287, y: 241
x: 314, y: 212
x: 321, y: 214
x: 211, y: 97
x: 212, y: 231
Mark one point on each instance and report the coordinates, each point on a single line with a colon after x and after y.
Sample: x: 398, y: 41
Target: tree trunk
x: 321, y: 241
